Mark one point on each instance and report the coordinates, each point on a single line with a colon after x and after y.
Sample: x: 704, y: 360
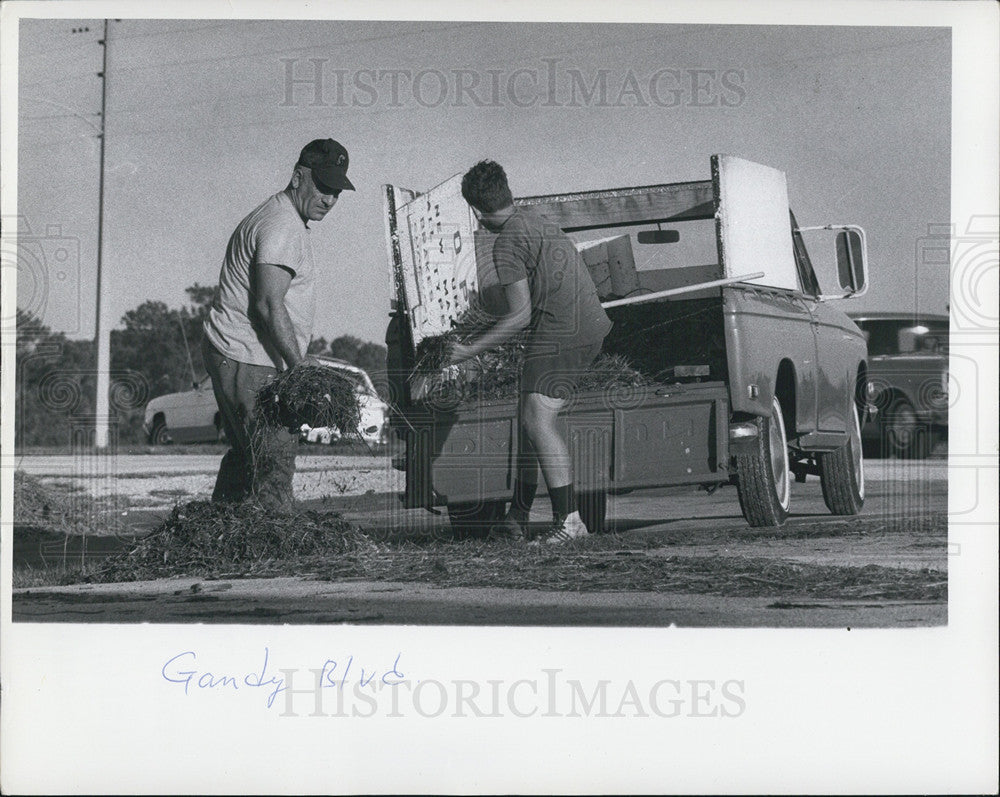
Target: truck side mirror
x: 851, y: 261
x: 851, y: 249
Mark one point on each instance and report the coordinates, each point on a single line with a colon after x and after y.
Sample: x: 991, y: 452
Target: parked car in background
x: 908, y: 370
x: 192, y: 416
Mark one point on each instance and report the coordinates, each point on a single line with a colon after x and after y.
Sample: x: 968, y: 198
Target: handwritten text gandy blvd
x: 182, y: 668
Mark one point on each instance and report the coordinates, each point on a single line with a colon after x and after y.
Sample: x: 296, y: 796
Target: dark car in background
x: 908, y: 371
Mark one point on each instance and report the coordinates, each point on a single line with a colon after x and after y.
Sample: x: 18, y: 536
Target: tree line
x: 156, y: 351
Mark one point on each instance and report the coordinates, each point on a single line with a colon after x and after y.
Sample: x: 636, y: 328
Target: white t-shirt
x: 273, y: 234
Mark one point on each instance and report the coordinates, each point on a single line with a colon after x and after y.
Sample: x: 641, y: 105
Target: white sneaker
x: 563, y: 530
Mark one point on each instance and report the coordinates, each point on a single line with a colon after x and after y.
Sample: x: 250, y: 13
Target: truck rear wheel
x: 763, y: 477
x: 473, y: 520
x: 593, y: 509
x: 842, y: 474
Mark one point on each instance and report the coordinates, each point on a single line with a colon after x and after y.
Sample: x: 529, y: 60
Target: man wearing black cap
x: 261, y: 320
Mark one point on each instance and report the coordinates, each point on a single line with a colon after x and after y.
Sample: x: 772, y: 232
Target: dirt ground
x: 675, y: 531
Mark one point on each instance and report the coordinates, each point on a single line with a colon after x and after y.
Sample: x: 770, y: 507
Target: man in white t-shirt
x: 261, y: 320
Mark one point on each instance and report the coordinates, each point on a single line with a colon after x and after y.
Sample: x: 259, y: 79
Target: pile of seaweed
x: 495, y: 374
x: 223, y: 539
x: 203, y: 538
x: 306, y: 395
x: 310, y: 394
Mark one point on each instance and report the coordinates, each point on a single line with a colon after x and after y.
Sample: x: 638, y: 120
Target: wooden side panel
x: 393, y: 198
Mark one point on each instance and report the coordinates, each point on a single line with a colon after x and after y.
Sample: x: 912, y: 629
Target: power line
x: 284, y: 50
x: 253, y: 95
x: 859, y: 51
x: 227, y: 24
x: 57, y: 116
x: 241, y: 56
x: 61, y: 50
x: 60, y: 79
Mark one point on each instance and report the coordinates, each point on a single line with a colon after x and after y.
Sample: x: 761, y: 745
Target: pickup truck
x: 758, y: 378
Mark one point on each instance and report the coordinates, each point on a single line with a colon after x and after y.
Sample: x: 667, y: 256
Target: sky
x: 202, y: 125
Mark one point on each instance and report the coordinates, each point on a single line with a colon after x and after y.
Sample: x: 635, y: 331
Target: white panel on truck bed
x: 753, y: 223
x: 438, y: 228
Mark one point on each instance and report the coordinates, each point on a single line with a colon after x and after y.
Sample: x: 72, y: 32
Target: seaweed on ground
x: 38, y: 506
x: 621, y: 568
x: 203, y: 538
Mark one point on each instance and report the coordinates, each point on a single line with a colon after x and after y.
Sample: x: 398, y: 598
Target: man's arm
x: 518, y: 316
x: 269, y: 301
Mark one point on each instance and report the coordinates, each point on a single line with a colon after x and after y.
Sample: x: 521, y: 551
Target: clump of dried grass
x: 432, y: 352
x: 203, y: 538
x: 40, y: 507
x: 495, y: 374
x: 611, y: 370
x: 310, y: 394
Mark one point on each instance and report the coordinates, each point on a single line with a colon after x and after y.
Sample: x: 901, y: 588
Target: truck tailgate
x: 621, y: 438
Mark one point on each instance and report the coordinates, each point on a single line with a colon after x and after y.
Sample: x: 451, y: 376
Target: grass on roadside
x: 59, y: 508
x: 204, y: 541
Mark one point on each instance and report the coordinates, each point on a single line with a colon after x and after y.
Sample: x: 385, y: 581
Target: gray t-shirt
x: 565, y: 309
x: 274, y: 234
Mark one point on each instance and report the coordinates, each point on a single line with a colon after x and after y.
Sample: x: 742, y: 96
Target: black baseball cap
x: 327, y: 161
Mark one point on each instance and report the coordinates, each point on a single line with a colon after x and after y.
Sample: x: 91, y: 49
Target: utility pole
x: 102, y: 332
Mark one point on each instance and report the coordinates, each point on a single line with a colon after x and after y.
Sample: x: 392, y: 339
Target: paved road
x: 139, y: 464
x: 297, y: 601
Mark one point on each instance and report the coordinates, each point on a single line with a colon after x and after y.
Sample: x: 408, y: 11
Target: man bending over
x: 549, y: 291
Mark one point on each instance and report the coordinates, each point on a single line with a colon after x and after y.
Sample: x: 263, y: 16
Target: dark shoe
x: 507, y: 529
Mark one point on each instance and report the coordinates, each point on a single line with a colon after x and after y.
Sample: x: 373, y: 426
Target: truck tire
x: 473, y: 520
x: 593, y: 509
x: 158, y: 435
x: 763, y: 477
x: 902, y: 434
x: 842, y: 474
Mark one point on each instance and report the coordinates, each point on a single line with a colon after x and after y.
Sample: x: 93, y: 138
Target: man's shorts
x: 554, y: 370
